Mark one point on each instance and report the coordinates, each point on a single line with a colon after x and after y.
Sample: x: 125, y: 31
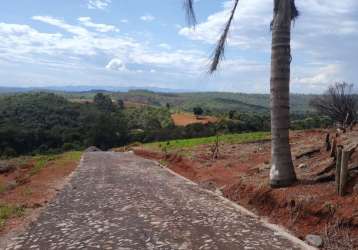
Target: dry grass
x: 338, y: 237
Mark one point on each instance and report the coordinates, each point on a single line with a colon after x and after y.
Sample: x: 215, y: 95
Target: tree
x: 103, y: 102
x: 120, y: 104
x: 232, y: 114
x: 198, y: 111
x: 338, y: 103
x: 282, y: 171
x: 109, y: 130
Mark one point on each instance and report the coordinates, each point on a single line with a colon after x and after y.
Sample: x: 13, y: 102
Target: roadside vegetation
x: 227, y: 139
x: 8, y: 212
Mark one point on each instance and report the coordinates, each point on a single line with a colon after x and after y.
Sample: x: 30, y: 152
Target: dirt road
x: 121, y: 201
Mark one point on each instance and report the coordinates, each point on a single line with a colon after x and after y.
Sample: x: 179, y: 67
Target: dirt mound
x: 92, y: 149
x: 148, y: 154
x: 6, y: 167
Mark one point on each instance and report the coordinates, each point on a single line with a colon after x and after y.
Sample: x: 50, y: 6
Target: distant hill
x: 216, y: 102
x: 89, y: 88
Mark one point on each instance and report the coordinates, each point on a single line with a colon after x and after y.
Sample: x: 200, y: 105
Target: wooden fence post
x: 334, y: 147
x: 344, y: 172
x: 328, y: 142
x: 338, y: 168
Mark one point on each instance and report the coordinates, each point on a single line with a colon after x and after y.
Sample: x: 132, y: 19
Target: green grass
x: 41, y: 161
x: 9, y: 211
x: 71, y: 156
x: 190, y: 143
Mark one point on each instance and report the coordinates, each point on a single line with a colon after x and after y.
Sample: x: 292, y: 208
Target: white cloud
x: 147, y: 18
x: 326, y: 34
x: 19, y: 41
x: 24, y: 40
x: 98, y: 4
x: 252, y: 19
x: 116, y: 64
x: 62, y: 24
x: 87, y: 22
x: 250, y: 28
x: 324, y: 75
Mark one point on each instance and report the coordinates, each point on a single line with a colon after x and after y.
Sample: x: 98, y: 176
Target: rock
x: 314, y: 240
x: 302, y: 166
x: 6, y: 167
x: 355, y: 188
x: 210, y: 185
x: 264, y: 167
x: 219, y: 192
x: 11, y: 185
x: 92, y: 149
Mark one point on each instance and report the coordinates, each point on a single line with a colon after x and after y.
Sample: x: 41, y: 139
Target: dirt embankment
x: 31, y: 185
x: 309, y: 207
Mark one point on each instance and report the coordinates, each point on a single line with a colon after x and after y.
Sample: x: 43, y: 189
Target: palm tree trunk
x: 282, y: 171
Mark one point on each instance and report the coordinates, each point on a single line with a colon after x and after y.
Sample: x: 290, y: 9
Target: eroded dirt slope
x: 241, y: 174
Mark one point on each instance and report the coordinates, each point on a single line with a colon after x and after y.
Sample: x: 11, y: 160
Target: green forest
x: 43, y: 122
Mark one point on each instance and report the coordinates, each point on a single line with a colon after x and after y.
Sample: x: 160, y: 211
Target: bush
x: 198, y: 111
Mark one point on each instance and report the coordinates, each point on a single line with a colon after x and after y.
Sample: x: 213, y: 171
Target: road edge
x: 6, y: 239
x: 279, y: 230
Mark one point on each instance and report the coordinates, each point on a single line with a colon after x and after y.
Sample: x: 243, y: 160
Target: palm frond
x: 294, y: 11
x: 190, y: 13
x: 219, y: 51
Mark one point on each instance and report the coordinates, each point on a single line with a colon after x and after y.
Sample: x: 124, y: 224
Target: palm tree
x: 282, y: 172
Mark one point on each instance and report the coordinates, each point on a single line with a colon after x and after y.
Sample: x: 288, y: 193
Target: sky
x: 146, y: 43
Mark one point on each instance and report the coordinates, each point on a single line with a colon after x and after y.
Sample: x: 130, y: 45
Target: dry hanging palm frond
x: 294, y: 11
x: 190, y: 13
x: 220, y: 47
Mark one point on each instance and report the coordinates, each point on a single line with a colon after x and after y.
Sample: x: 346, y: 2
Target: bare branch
x: 220, y: 47
x: 338, y: 103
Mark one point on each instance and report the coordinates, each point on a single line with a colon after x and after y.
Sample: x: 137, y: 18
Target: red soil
x: 242, y: 170
x: 184, y: 119
x: 33, y: 192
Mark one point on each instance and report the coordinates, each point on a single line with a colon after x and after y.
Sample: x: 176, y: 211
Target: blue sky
x: 146, y: 43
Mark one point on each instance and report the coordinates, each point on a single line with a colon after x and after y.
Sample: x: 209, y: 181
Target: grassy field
x: 189, y: 143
